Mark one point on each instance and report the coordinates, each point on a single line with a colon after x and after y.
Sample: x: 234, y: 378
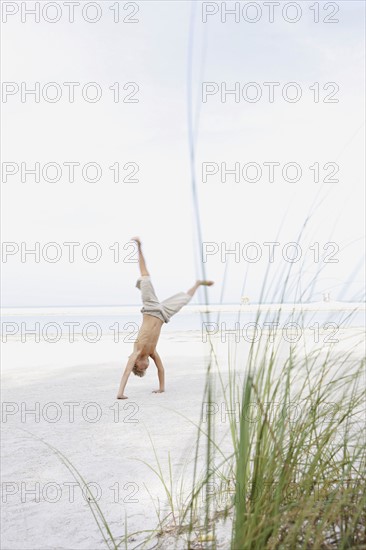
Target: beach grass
x: 294, y: 476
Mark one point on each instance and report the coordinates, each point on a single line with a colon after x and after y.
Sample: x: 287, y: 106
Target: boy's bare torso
x: 148, y: 335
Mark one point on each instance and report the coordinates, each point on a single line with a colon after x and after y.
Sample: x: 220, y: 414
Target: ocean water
x: 64, y: 323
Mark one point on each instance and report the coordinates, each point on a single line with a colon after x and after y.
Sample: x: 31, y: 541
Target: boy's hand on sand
x: 158, y: 391
x: 122, y: 397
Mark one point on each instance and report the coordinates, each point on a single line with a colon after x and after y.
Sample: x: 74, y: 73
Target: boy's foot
x: 206, y: 283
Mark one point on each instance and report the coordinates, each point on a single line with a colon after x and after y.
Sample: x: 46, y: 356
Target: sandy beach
x: 64, y: 394
x: 104, y: 438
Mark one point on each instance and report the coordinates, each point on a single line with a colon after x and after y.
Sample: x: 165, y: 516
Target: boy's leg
x: 172, y: 305
x: 142, y: 263
x: 149, y: 299
x: 197, y: 284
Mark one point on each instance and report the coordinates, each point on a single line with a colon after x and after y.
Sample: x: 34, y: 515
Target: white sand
x: 107, y: 452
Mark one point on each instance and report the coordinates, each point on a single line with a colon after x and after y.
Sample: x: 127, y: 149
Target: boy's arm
x: 161, y: 374
x: 126, y: 374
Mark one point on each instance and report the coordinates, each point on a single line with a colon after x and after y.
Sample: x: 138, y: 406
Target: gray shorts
x: 162, y: 310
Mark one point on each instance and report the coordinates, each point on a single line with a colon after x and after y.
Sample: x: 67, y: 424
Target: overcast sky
x: 152, y: 135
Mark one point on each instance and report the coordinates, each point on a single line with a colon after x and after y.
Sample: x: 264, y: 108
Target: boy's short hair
x: 138, y: 372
